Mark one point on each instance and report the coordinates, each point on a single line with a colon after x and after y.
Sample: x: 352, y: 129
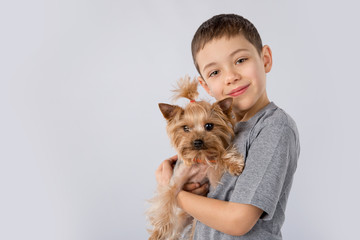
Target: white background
x: 81, y: 133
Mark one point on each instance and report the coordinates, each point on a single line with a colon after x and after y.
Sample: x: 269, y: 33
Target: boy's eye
x: 186, y: 128
x: 241, y: 60
x: 212, y: 74
x: 209, y: 126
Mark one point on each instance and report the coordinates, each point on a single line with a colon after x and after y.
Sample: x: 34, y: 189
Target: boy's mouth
x: 238, y: 91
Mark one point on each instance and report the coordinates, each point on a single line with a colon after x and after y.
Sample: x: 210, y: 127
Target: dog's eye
x: 209, y: 126
x: 186, y: 128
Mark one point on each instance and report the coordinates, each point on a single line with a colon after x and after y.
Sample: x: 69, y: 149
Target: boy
x: 229, y: 56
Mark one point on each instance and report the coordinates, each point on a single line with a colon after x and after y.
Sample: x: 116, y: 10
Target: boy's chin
x: 242, y: 104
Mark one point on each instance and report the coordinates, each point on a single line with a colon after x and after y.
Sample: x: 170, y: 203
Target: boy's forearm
x: 227, y: 217
x: 206, y: 210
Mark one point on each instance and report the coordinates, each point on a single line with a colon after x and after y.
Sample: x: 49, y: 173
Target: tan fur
x: 186, y: 89
x: 217, y: 155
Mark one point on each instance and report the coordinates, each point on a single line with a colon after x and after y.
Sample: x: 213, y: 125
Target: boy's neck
x: 243, y: 116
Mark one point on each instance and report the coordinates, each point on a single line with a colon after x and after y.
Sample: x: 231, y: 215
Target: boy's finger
x: 173, y: 158
x: 167, y: 166
x: 191, y: 186
x: 203, y: 190
x: 170, y: 161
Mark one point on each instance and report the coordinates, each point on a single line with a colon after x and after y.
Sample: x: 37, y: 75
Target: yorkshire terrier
x: 202, y: 135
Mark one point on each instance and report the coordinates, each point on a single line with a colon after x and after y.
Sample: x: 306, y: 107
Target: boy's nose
x: 231, y: 77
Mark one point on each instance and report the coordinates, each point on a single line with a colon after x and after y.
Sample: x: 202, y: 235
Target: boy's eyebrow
x: 238, y: 50
x: 208, y: 65
x: 231, y: 55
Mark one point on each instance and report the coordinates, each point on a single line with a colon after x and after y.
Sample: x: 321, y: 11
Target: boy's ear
x: 267, y: 58
x: 204, y: 85
x: 169, y: 111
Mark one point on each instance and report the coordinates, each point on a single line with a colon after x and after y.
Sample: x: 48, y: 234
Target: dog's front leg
x: 233, y: 161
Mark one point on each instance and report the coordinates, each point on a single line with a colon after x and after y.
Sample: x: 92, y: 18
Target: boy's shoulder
x: 275, y: 123
x: 280, y: 117
x: 272, y: 118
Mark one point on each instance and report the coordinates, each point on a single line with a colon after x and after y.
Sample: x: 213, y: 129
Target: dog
x: 202, y: 135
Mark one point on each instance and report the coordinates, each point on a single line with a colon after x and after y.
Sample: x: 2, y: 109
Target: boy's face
x: 232, y: 67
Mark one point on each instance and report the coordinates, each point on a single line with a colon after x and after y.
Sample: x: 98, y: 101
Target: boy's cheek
x: 207, y: 88
x: 216, y: 92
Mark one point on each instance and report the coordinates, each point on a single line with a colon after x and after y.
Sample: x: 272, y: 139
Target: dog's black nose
x: 198, y: 143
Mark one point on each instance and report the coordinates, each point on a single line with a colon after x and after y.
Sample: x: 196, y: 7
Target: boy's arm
x: 228, y: 217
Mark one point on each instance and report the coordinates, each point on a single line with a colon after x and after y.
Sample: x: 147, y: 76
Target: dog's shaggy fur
x: 202, y: 135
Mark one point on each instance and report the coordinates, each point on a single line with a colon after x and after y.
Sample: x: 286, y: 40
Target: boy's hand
x: 196, y: 188
x: 165, y: 171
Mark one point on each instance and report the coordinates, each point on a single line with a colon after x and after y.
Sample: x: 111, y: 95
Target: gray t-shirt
x: 270, y: 144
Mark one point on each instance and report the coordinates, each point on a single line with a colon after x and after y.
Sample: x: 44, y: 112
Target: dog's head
x: 200, y: 131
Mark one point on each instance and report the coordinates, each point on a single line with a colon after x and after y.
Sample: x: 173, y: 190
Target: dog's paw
x: 236, y: 166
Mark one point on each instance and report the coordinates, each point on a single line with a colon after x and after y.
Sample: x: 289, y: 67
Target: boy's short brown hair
x: 228, y: 25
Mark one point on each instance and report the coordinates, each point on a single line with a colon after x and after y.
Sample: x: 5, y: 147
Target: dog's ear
x: 169, y: 111
x: 225, y: 105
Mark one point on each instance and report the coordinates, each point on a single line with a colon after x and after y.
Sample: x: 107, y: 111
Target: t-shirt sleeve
x: 266, y: 167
